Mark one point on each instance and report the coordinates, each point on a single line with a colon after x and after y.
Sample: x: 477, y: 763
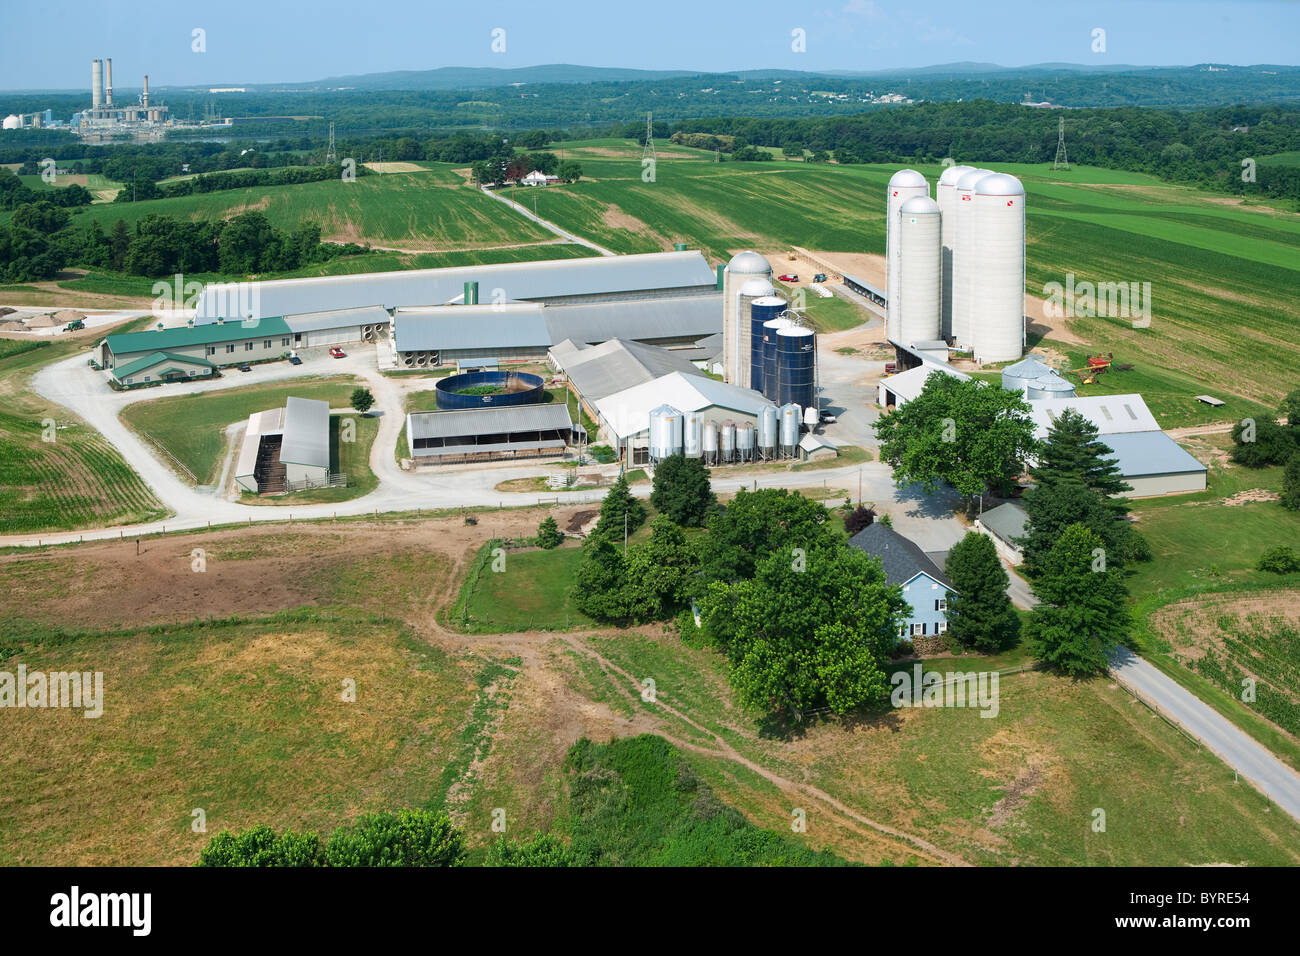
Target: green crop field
x: 430, y: 211
x: 192, y: 426
x: 56, y: 474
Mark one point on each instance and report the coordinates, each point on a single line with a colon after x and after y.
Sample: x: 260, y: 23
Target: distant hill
x: 485, y: 77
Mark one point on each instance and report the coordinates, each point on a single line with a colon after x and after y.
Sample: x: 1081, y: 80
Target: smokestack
x: 96, y: 84
x: 144, y: 94
x: 108, y: 82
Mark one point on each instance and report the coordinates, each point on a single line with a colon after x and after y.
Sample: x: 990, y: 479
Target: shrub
x: 1291, y: 483
x: 602, y: 453
x: 1279, y: 560
x: 859, y: 518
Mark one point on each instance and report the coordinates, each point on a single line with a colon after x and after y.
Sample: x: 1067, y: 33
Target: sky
x: 49, y: 43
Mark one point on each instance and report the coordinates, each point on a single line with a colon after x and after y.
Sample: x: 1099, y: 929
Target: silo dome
x: 954, y: 173
x: 999, y: 184
x: 756, y: 287
x: 908, y: 178
x: 968, y: 180
x: 749, y: 263
x: 919, y: 205
x: 12, y: 122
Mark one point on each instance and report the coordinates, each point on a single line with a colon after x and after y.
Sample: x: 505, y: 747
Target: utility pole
x: 649, y: 151
x: 625, y: 533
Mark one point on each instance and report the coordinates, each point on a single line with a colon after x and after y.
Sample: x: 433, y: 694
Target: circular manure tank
x: 489, y: 390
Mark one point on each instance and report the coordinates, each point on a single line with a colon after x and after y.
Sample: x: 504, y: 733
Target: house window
x: 146, y: 378
x: 285, y: 340
x: 248, y: 346
x: 230, y: 348
x: 918, y: 630
x: 297, y: 339
x: 191, y: 371
x: 212, y: 350
x: 266, y: 344
x: 941, y: 604
x: 941, y: 628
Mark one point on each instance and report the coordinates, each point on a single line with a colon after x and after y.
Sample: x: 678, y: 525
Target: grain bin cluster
x: 956, y: 263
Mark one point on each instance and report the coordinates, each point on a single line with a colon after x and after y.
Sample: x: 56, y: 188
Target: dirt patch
x: 1254, y: 494
x: 396, y: 167
x: 581, y: 520
x: 615, y: 218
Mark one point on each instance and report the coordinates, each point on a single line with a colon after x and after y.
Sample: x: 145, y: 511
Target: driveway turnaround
x: 1237, y: 749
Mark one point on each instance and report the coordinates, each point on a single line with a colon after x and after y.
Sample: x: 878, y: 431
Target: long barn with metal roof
x: 554, y: 281
x: 488, y: 434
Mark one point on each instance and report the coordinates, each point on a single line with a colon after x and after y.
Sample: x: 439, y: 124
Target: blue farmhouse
x: 924, y: 586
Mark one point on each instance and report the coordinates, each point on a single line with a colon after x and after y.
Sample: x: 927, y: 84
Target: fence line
x: 176, y: 461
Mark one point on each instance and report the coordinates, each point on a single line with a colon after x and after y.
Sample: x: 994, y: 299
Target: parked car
x: 294, y: 360
x: 828, y: 419
x: 789, y: 277
x: 890, y: 368
x: 337, y: 352
x: 819, y: 277
x: 245, y: 368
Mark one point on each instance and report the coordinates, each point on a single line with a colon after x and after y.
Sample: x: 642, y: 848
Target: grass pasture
x: 530, y: 594
x: 192, y: 426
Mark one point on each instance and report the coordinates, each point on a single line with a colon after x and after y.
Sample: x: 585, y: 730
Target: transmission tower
x: 1062, y: 161
x: 330, y: 158
x: 649, y: 151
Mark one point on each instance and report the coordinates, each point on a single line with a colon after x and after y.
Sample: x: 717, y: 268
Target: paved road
x: 1238, y: 750
x: 545, y: 223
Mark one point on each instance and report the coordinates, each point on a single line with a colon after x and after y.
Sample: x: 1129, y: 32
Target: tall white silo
x: 965, y: 255
x: 919, y: 263
x: 945, y: 194
x: 998, y: 304
x: 903, y: 185
x: 735, y: 325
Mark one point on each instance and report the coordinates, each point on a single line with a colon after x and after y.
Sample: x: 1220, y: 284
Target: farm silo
x: 761, y: 311
x: 919, y: 263
x: 903, y: 185
x: 727, y: 442
x: 769, y: 431
x: 744, y: 441
x: 691, y: 446
x: 665, y: 432
x: 789, y: 433
x: 709, y: 442
x: 743, y: 266
x: 965, y: 255
x: 997, y: 309
x: 945, y: 193
x: 795, y: 352
x: 771, y: 373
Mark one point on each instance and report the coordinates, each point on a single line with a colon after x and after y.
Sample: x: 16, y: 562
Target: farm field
x: 192, y: 426
x: 1220, y: 272
x: 472, y: 722
x: 78, y: 480
x: 427, y: 211
x: 100, y: 186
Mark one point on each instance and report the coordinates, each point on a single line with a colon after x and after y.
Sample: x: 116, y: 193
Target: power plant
x: 104, y: 115
x: 956, y: 264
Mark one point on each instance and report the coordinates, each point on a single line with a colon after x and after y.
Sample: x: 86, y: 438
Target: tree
x: 620, y: 512
x: 599, y: 585
x: 1053, y: 507
x: 971, y: 435
x: 569, y: 171
x: 362, y: 400
x: 980, y: 614
x: 1082, y: 615
x: 119, y: 244
x: 548, y: 534
x: 43, y: 217
x: 681, y: 490
x: 1279, y: 560
x: 404, y: 838
x: 812, y: 634
x: 758, y: 523
x: 661, y: 572
x: 857, y: 519
x: 1071, y: 451
x: 260, y: 846
x: 1291, y: 483
x: 1257, y: 443
x: 1290, y: 409
x: 792, y: 151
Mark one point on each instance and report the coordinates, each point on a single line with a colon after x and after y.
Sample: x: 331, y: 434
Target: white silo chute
x: 945, y: 194
x: 903, y: 185
x: 965, y: 255
x: 919, y: 263
x: 998, y: 305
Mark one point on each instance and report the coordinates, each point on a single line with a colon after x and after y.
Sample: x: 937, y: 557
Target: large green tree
x: 757, y: 523
x: 972, y: 435
x: 1082, y: 614
x: 681, y: 490
x: 620, y: 512
x: 404, y: 838
x: 809, y: 632
x: 980, y: 615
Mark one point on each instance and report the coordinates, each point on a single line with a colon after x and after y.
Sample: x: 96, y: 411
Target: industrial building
x: 286, y: 449
x: 105, y: 115
x: 219, y: 344
x: 601, y: 370
x: 488, y: 434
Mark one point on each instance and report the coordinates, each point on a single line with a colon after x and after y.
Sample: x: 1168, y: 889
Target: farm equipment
x: 76, y: 325
x: 819, y: 277
x: 1099, y: 365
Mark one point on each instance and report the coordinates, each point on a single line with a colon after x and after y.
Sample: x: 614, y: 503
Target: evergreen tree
x: 980, y: 614
x: 548, y: 534
x: 1291, y: 483
x: 619, y: 503
x: 1071, y: 451
x: 1082, y: 615
x: 599, y: 585
x: 682, y: 491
